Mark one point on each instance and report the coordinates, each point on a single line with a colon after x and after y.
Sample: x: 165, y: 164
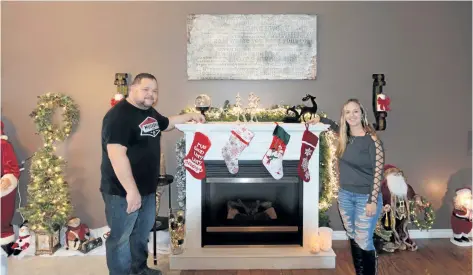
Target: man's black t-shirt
x: 140, y: 131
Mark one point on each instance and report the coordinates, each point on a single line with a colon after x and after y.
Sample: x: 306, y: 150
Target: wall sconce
x: 122, y: 88
x: 380, y: 102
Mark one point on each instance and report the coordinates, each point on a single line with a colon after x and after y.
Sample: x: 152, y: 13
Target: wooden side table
x: 162, y: 223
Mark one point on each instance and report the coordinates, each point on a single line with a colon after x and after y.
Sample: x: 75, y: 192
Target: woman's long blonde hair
x: 345, y: 128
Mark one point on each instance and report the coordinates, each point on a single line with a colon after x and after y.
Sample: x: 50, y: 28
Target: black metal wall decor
x: 380, y: 102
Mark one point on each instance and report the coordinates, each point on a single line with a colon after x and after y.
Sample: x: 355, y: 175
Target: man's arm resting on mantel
x: 179, y: 119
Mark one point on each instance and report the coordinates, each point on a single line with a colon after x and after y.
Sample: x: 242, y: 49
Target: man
x: 131, y: 134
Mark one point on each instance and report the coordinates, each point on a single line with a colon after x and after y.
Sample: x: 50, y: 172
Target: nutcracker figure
x: 461, y: 219
x: 9, y: 183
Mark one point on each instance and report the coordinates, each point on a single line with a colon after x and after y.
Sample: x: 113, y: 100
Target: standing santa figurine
x: 461, y: 219
x: 9, y: 183
x: 396, y: 213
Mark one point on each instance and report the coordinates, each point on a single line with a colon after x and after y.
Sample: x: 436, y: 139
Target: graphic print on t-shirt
x: 149, y: 127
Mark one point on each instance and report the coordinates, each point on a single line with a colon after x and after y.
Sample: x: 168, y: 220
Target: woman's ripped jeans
x: 352, y: 208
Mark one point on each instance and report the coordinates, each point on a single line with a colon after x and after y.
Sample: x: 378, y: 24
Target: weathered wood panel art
x: 251, y: 46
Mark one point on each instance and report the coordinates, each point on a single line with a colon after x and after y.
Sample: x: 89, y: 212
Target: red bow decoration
x: 117, y: 98
x: 384, y: 103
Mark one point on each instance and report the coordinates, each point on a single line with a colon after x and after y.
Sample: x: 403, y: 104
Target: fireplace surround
x: 211, y: 253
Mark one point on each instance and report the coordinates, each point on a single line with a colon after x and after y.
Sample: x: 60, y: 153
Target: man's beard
x: 397, y: 185
x: 144, y: 104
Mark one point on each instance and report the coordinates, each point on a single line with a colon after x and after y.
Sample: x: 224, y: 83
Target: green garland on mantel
x: 277, y: 113
x: 227, y: 113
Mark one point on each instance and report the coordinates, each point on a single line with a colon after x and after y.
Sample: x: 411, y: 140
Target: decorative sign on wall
x: 252, y: 46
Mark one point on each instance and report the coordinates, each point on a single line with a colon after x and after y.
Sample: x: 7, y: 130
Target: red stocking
x: 194, y: 161
x: 309, y: 143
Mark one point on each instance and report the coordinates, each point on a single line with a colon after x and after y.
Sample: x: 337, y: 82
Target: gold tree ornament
x: 49, y: 205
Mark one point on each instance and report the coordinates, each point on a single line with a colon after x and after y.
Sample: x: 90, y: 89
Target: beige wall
x: 424, y: 49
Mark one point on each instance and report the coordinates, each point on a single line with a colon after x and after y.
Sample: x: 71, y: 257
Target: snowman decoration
x: 23, y: 241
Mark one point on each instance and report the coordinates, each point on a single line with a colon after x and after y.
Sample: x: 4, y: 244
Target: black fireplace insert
x: 251, y: 207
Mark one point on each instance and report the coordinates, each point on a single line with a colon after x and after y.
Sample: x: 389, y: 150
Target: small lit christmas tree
x: 49, y: 205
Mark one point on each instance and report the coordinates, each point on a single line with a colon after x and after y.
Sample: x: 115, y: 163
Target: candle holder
x: 203, y: 103
x: 163, y: 180
x: 177, y: 230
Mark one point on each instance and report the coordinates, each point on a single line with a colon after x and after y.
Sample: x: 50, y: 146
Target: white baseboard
x: 415, y: 234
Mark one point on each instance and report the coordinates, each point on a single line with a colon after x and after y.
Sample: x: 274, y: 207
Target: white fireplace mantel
x: 196, y: 257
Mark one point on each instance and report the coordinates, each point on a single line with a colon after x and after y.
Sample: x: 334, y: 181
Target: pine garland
x: 180, y: 176
x: 49, y: 203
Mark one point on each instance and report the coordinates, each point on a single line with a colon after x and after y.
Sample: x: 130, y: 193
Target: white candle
x: 315, y: 244
x: 325, y: 234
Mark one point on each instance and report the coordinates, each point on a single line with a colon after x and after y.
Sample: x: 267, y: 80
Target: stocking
x: 272, y: 160
x: 194, y: 161
x: 239, y: 140
x: 309, y: 143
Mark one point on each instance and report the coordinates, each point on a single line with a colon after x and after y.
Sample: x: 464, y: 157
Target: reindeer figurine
x: 238, y: 109
x: 311, y: 110
x: 253, y: 103
x: 292, y: 119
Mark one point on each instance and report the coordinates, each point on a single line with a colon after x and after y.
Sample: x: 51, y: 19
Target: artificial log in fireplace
x: 250, y: 210
x: 251, y: 207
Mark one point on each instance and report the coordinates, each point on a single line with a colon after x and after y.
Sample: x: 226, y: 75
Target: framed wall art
x: 252, y: 46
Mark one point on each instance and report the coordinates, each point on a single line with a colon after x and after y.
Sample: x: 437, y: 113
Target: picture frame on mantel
x: 252, y: 47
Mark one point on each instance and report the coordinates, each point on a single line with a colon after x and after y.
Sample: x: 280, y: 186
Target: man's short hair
x: 141, y: 76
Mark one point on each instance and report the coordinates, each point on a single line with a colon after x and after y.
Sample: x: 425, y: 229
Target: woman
x: 361, y: 161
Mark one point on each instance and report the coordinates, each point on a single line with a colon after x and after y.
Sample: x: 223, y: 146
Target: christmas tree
x: 48, y: 203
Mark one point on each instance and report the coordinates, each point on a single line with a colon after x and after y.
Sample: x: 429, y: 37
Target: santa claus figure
x: 9, y: 182
x: 396, y: 213
x: 461, y: 219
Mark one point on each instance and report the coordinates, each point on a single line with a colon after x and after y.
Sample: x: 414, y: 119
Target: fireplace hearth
x: 251, y: 207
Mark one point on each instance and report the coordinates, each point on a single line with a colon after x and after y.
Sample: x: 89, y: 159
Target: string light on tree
x: 49, y: 203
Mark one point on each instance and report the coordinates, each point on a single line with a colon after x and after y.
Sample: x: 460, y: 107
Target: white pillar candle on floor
x: 325, y: 234
x: 315, y: 244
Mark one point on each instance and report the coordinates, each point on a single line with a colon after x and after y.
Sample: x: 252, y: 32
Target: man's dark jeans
x: 127, y: 245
